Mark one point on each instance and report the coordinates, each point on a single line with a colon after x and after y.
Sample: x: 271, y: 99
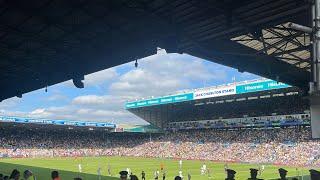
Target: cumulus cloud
x: 100, y: 77
x: 9, y: 103
x: 156, y: 75
x: 162, y: 74
x: 90, y: 100
x: 41, y: 112
x: 96, y: 79
x: 139, y: 83
x: 110, y: 102
x: 56, y: 97
x: 13, y: 113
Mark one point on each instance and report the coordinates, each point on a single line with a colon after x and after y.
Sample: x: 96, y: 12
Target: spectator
x: 283, y: 174
x: 230, y: 174
x: 123, y: 175
x: 253, y: 174
x: 28, y: 175
x: 55, y: 175
x: 133, y: 177
x: 283, y: 146
x: 15, y: 175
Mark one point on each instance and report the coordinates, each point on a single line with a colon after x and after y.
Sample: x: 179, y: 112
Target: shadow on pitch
x: 45, y: 173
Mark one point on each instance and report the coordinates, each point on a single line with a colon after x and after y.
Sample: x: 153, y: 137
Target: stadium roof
x: 46, y: 42
x: 281, y: 42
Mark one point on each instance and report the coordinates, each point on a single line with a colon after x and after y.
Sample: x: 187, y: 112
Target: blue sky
x: 106, y: 92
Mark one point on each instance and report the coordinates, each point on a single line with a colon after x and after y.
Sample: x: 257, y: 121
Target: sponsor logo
x: 215, y: 92
x: 131, y: 105
x: 142, y: 103
x: 153, y: 101
x: 165, y: 100
x: 249, y: 88
x: 181, y: 98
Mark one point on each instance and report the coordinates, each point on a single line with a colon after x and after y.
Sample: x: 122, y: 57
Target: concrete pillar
x: 315, y: 116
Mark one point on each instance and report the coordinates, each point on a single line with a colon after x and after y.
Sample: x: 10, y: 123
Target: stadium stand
x: 245, y: 122
x: 271, y: 126
x: 286, y: 146
x: 44, y: 43
x: 248, y: 99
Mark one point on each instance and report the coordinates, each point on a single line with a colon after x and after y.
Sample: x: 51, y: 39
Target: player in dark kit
x: 143, y: 175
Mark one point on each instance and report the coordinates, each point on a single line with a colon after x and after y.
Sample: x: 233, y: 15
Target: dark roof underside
x: 46, y: 42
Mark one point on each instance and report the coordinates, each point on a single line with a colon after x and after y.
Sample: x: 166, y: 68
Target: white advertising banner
x: 215, y: 92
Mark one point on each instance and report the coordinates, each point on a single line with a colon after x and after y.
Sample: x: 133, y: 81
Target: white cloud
x: 56, y: 97
x: 11, y: 102
x: 41, y: 113
x: 100, y: 77
x: 162, y: 74
x: 156, y: 75
x: 13, y: 113
x: 111, y: 102
x: 96, y: 79
x: 89, y: 99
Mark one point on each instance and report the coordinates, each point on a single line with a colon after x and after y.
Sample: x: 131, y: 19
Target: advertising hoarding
x: 161, y: 100
x: 215, y: 92
x: 260, y: 86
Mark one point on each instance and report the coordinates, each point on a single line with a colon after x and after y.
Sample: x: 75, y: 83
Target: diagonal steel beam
x: 263, y: 42
x: 251, y: 39
x: 300, y: 48
x: 283, y: 45
x: 286, y: 38
x: 295, y: 38
x: 275, y: 47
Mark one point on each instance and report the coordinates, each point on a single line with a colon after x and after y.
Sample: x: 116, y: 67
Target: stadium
x: 256, y: 128
x: 269, y: 127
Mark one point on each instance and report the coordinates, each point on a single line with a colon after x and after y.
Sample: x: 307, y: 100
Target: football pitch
x: 68, y: 168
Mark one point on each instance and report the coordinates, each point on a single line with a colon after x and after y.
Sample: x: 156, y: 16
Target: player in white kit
x: 80, y: 168
x: 180, y: 174
x: 99, y: 173
x: 203, y: 169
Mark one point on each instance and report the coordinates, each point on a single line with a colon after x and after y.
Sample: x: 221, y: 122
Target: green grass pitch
x: 68, y: 168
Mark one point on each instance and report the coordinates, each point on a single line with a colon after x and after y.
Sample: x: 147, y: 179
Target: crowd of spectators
x: 218, y: 107
x: 262, y: 121
x: 283, y: 146
x: 28, y: 175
